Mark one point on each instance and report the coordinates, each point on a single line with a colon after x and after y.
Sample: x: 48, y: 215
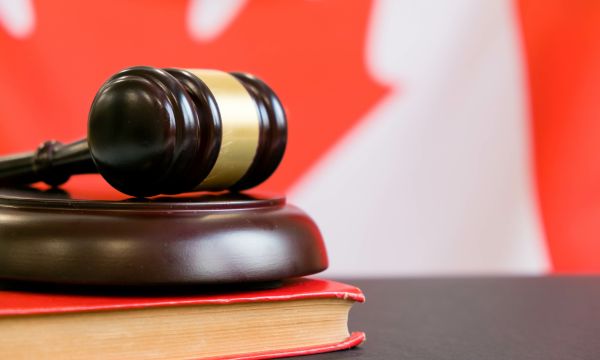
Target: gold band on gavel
x: 240, y: 128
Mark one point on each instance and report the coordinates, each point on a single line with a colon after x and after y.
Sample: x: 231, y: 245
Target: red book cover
x: 19, y: 303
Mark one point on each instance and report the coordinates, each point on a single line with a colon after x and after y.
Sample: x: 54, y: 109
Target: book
x: 303, y: 316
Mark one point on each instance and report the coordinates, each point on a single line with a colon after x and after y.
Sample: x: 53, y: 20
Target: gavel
x: 167, y: 131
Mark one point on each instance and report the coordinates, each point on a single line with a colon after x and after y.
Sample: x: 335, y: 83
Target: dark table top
x: 477, y: 318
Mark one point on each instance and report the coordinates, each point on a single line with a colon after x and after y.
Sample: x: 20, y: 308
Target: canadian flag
x: 425, y: 137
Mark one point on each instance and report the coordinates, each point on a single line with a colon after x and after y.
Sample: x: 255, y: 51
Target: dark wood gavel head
x: 165, y: 131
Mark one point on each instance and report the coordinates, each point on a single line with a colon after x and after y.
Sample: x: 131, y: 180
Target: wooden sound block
x: 47, y: 236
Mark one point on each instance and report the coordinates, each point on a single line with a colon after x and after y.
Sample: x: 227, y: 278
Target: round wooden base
x: 199, y: 239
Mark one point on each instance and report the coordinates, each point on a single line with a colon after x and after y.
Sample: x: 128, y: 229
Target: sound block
x: 51, y: 237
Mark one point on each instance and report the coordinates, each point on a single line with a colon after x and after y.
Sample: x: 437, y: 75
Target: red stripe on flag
x: 562, y: 48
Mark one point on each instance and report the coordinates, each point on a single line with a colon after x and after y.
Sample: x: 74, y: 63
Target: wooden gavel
x: 166, y: 131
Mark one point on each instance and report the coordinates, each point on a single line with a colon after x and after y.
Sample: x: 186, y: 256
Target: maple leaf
x: 310, y: 52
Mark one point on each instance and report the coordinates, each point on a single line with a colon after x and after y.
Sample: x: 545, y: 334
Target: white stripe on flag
x: 438, y: 177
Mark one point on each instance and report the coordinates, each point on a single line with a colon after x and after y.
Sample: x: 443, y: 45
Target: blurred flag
x: 425, y: 137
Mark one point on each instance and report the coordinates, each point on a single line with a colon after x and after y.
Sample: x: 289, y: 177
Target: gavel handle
x: 52, y: 163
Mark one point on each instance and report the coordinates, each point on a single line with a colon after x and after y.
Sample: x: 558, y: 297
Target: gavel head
x: 165, y: 131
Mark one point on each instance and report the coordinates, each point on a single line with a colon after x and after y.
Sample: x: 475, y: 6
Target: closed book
x: 303, y: 316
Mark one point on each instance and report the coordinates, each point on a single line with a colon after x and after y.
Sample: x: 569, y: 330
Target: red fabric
x: 562, y: 50
x: 26, y: 303
x: 313, y: 54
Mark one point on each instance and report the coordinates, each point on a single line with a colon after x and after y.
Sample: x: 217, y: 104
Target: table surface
x: 477, y: 318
